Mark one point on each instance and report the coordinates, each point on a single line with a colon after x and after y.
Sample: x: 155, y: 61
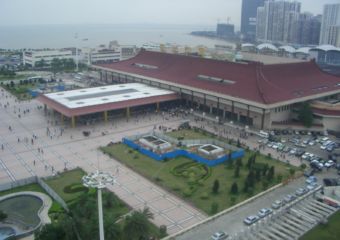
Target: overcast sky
x: 193, y: 12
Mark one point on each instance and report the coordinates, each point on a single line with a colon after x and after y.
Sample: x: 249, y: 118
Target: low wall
x: 182, y: 152
x: 172, y: 237
x: 34, y: 179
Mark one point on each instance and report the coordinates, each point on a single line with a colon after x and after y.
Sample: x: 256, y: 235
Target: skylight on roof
x: 214, y: 79
x: 145, y: 66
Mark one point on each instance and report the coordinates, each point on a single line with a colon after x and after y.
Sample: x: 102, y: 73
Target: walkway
x: 29, y: 150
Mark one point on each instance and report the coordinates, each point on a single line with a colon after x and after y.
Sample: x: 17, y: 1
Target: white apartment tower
x: 275, y: 20
x: 330, y: 25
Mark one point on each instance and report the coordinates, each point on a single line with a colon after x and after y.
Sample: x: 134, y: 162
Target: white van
x: 263, y: 134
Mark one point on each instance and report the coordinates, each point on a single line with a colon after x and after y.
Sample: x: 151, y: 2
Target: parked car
x: 312, y: 186
x: 309, y: 172
x: 264, y: 212
x: 277, y: 204
x: 251, y: 219
x: 329, y: 164
x: 219, y: 235
x: 289, y: 198
x: 330, y: 182
x: 301, y: 191
x: 311, y: 179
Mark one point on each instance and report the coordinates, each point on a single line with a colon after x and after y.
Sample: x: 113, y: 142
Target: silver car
x: 251, y: 219
x: 219, y: 235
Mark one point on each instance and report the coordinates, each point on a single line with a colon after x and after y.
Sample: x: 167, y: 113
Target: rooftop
x: 255, y: 82
x: 106, y: 94
x: 91, y: 100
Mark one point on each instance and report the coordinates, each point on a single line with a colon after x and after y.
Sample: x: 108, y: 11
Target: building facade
x: 225, y: 30
x: 330, y: 24
x: 275, y: 20
x: 253, y: 94
x: 248, y: 18
x: 30, y: 58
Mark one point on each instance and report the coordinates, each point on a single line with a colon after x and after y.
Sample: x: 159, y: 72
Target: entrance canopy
x: 105, y: 98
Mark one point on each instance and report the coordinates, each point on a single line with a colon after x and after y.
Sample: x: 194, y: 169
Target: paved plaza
x: 34, y: 144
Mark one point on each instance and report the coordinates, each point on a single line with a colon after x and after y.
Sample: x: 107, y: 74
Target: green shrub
x: 204, y: 195
x: 74, y: 188
x: 187, y: 192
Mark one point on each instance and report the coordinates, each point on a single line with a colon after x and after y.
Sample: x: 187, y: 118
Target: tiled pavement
x: 22, y: 159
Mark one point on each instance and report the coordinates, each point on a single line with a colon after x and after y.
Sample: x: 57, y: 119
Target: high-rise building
x: 225, y: 30
x: 248, y: 18
x: 329, y: 25
x: 305, y: 30
x: 277, y: 18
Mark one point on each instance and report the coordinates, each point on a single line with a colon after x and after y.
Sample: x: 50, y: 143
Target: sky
x: 189, y: 12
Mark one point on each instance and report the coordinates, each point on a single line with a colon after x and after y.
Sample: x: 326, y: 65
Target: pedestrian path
x: 22, y: 157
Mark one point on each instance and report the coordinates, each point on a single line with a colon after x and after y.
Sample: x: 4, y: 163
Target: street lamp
x: 99, y: 180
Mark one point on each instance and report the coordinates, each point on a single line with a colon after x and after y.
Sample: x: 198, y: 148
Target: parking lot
x: 303, y: 214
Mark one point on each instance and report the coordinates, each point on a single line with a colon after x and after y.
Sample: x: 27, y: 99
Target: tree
x: 55, y: 65
x: 251, y: 178
x: 271, y: 173
x: 265, y: 169
x: 216, y: 186
x: 249, y: 162
x: 237, y: 172
x: 50, y: 232
x: 258, y: 174
x: 3, y: 216
x: 112, y: 229
x: 137, y: 226
x: 305, y: 114
x: 40, y: 64
x: 239, y: 162
x: 234, y: 188
x: 162, y: 231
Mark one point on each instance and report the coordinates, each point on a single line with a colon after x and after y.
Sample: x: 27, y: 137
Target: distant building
x: 330, y: 25
x: 31, y: 57
x: 305, y: 30
x: 248, y: 18
x: 225, y: 30
x: 101, y: 55
x: 275, y: 20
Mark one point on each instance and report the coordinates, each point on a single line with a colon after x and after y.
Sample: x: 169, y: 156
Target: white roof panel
x: 106, y: 94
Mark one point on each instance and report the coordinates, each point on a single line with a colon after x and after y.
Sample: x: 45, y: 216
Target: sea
x: 92, y: 35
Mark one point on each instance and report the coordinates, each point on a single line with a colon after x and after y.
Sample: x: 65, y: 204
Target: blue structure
x: 181, y: 152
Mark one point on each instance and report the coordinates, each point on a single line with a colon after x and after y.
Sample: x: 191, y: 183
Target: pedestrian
x: 34, y: 162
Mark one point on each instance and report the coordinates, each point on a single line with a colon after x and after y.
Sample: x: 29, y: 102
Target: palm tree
x: 137, y: 226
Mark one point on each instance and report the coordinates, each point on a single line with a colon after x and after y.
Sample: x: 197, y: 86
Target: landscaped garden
x: 82, y: 220
x: 329, y: 231
x: 211, y: 189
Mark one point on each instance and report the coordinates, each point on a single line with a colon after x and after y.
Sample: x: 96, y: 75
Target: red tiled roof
x: 256, y: 82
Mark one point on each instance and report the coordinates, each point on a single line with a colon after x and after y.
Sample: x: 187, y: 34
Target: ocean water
x: 58, y: 36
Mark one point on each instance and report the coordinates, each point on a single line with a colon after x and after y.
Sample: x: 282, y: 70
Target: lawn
x: 329, y: 231
x: 193, y: 181
x: 70, y: 179
x: 83, y: 203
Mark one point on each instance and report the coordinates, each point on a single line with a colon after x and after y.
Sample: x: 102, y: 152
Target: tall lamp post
x: 99, y: 180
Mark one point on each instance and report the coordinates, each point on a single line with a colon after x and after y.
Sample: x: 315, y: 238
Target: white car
x: 251, y: 219
x: 264, y: 212
x: 329, y: 164
x: 323, y: 147
x: 219, y: 235
x: 277, y: 204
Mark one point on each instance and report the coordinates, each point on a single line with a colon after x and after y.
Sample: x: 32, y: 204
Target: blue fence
x: 181, y: 152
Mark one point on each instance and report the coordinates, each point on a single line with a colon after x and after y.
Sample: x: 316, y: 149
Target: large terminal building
x: 253, y: 94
